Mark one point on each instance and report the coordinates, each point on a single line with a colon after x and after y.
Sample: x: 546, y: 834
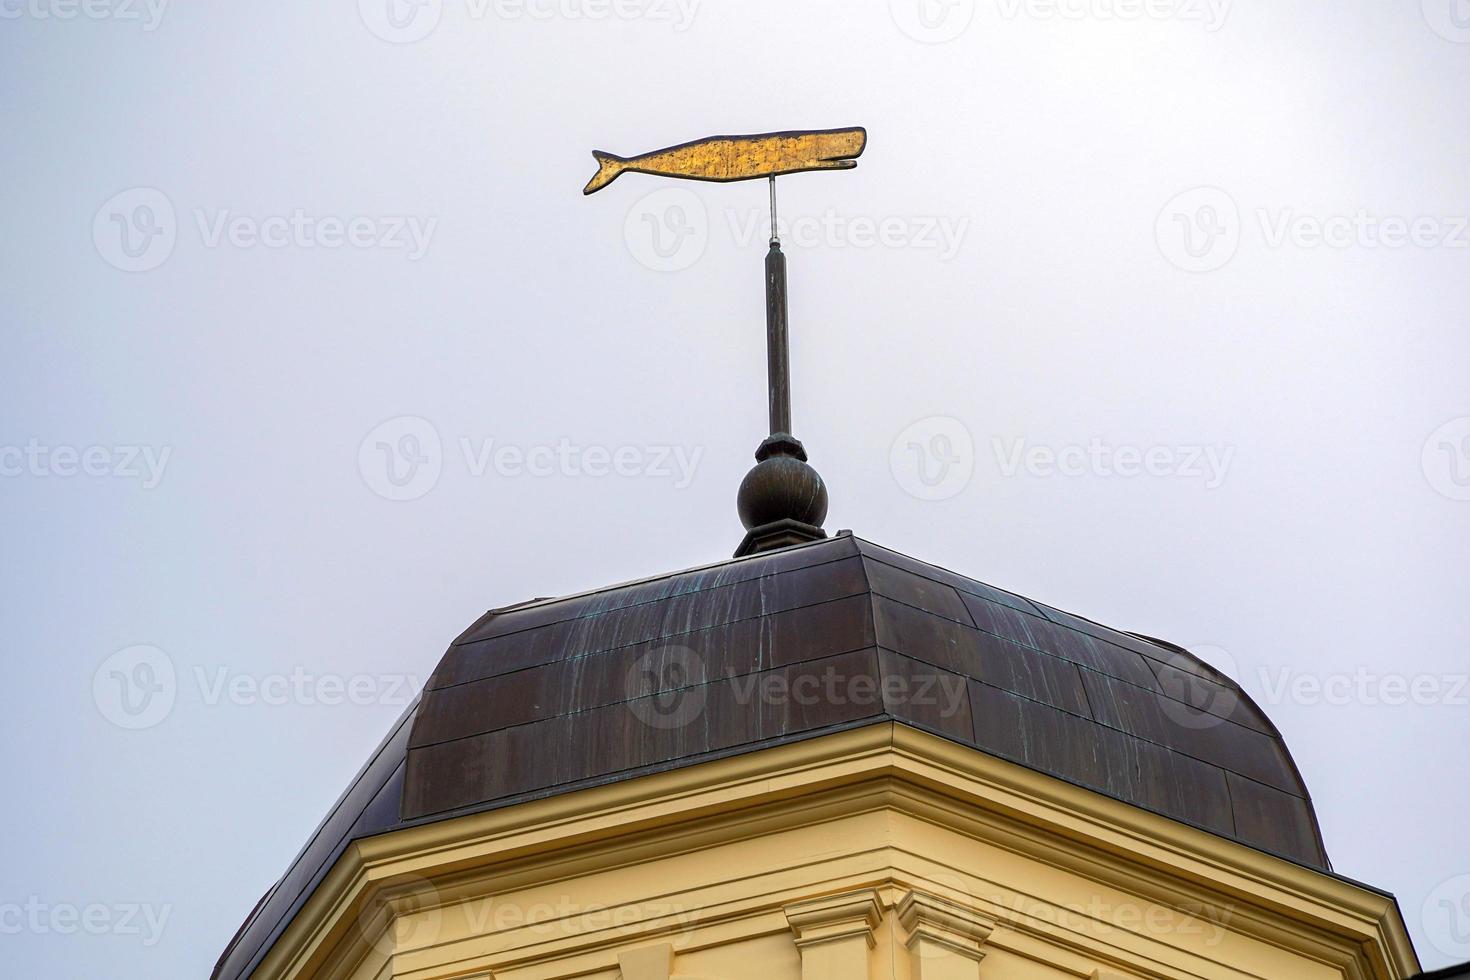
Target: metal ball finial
x: 782, y: 500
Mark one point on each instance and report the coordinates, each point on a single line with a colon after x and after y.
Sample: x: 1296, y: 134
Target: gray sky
x: 1158, y: 317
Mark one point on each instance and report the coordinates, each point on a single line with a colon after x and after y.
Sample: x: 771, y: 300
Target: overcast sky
x: 312, y: 351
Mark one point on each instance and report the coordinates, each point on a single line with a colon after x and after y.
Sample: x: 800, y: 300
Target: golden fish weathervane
x: 726, y: 158
x: 782, y: 501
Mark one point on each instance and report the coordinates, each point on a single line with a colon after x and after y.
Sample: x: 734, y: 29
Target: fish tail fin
x: 609, y: 166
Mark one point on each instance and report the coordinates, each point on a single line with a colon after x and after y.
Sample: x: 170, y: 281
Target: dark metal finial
x: 778, y: 346
x: 782, y: 500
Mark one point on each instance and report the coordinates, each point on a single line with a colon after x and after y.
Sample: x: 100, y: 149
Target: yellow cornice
x: 880, y: 766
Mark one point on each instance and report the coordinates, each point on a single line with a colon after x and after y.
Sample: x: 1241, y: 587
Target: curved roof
x: 559, y: 694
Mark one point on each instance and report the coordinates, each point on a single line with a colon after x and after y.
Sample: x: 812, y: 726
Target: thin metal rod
x: 775, y: 238
x: 778, y: 355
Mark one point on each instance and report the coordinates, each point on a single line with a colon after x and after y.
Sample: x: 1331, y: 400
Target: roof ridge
x: 535, y: 603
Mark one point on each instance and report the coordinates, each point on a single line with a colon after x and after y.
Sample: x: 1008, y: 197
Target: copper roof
x: 555, y: 695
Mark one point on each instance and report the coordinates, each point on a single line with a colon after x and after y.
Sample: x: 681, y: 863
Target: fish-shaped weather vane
x: 782, y: 501
x: 727, y: 158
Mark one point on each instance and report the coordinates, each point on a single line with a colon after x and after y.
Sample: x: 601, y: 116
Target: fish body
x: 725, y: 158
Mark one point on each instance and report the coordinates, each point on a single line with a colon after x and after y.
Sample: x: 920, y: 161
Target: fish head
x: 840, y: 148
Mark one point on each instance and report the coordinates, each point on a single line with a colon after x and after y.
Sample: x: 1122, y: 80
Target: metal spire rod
x: 778, y: 354
x: 775, y: 238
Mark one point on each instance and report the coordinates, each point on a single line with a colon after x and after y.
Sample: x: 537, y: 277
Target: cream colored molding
x: 835, y: 933
x: 944, y: 938
x: 647, y: 962
x: 879, y: 768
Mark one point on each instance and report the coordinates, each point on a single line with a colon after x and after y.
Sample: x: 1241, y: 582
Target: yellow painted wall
x: 881, y: 853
